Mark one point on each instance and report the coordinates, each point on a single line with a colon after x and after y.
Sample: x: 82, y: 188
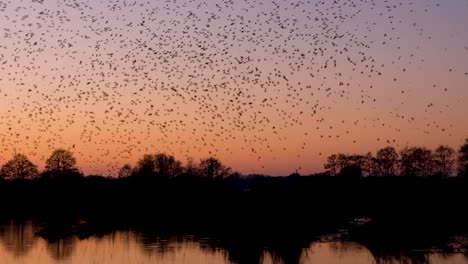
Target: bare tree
x: 126, y: 171
x: 213, y: 168
x: 444, y: 161
x: 191, y: 167
x: 332, y: 165
x: 61, y: 162
x: 342, y: 164
x: 167, y: 165
x: 463, y: 160
x: 385, y: 162
x: 416, y: 161
x: 160, y: 164
x: 19, y: 167
x: 146, y: 165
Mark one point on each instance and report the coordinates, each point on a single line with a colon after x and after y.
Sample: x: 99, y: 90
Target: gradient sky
x: 266, y: 86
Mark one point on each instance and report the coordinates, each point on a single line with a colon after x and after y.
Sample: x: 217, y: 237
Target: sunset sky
x: 266, y: 86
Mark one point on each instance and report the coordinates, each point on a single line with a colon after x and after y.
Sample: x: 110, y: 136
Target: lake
x: 20, y: 243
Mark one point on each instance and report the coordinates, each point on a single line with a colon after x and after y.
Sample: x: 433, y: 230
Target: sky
x: 267, y: 87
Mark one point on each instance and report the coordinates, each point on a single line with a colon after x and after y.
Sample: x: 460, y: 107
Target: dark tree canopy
x: 410, y: 161
x: 332, y: 165
x: 190, y: 168
x: 337, y: 164
x: 146, y: 165
x: 351, y: 171
x: 444, y: 161
x: 19, y: 167
x: 463, y: 160
x: 213, y: 168
x: 385, y: 162
x: 167, y: 165
x: 61, y: 162
x: 126, y: 171
x: 160, y: 164
x: 416, y: 161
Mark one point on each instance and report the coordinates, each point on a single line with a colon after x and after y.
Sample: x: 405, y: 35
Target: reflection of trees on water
x: 244, y: 252
x: 62, y: 248
x: 394, y: 254
x: 238, y: 248
x: 418, y: 259
x: 401, y: 258
x: 18, y: 237
x: 287, y: 250
x: 160, y: 244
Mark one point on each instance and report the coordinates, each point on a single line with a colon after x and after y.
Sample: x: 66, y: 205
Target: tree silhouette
x: 191, y: 167
x: 342, y: 164
x: 444, y: 161
x: 60, y: 163
x: 167, y: 165
x: 364, y: 162
x: 213, y: 168
x: 160, y: 164
x: 351, y: 171
x: 19, y: 167
x: 126, y: 171
x: 463, y: 160
x: 146, y: 165
x: 332, y: 165
x: 385, y: 162
x: 416, y: 161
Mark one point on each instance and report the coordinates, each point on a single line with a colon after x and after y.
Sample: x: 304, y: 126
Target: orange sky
x: 266, y: 88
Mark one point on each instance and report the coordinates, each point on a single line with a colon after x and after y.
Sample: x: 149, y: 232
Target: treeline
x: 207, y: 196
x: 444, y: 161
x: 62, y: 164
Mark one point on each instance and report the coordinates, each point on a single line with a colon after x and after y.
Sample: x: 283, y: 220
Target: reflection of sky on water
x: 20, y: 245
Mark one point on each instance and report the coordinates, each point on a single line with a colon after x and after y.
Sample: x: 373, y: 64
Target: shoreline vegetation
x: 416, y: 200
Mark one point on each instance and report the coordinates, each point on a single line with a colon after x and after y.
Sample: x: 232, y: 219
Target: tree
x: 191, y: 167
x: 444, y: 161
x: 463, y: 160
x: 160, y: 164
x: 342, y: 161
x: 363, y: 162
x: 61, y: 163
x: 385, y: 162
x: 213, y: 168
x: 332, y: 165
x: 126, y: 171
x: 19, y: 167
x: 145, y: 165
x: 416, y: 161
x: 366, y: 163
x: 341, y: 164
x: 167, y: 165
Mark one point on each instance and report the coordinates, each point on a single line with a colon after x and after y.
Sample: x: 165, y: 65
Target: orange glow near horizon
x: 264, y: 88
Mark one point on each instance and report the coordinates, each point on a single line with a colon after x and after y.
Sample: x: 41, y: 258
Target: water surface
x: 20, y: 243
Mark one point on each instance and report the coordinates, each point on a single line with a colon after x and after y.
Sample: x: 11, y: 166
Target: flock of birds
x: 112, y: 80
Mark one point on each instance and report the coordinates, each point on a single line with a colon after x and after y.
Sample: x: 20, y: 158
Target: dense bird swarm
x: 113, y: 79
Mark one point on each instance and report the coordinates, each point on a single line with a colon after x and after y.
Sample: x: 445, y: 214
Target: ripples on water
x: 21, y: 244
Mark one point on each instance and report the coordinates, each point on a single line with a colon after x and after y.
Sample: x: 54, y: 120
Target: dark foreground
x: 396, y: 218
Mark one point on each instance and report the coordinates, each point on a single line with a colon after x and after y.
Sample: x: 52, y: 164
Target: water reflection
x: 61, y: 248
x: 21, y: 244
x: 18, y: 236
